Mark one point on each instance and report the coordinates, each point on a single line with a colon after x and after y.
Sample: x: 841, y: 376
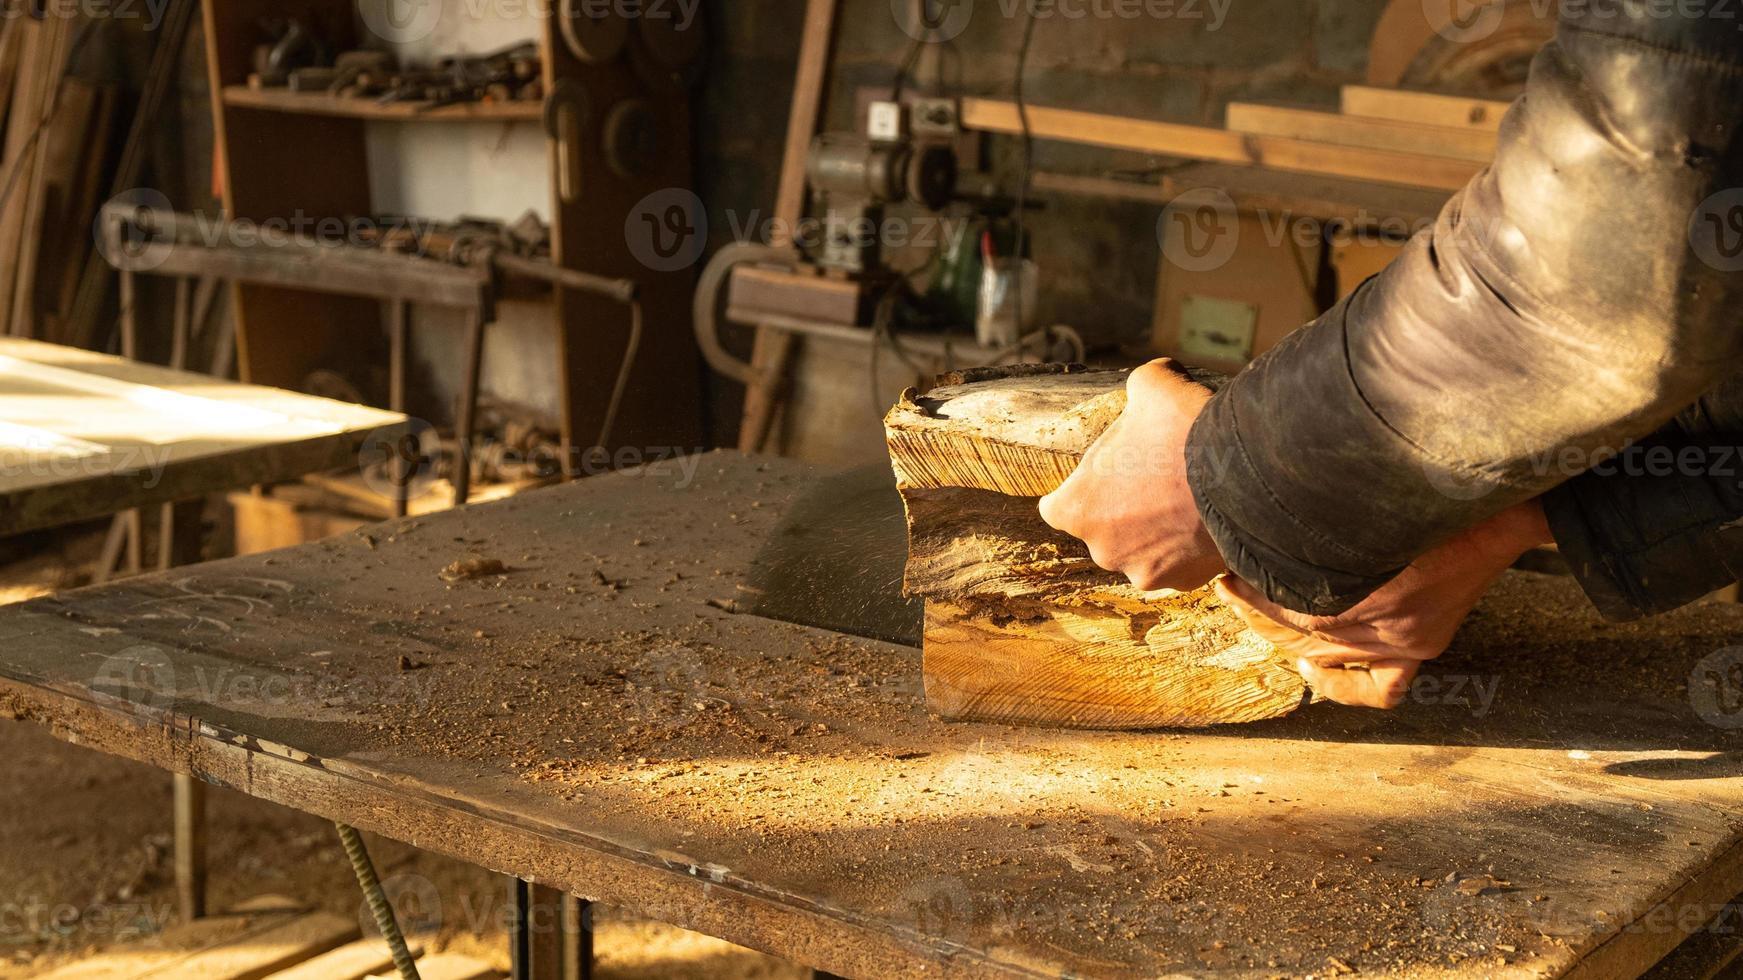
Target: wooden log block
x: 1021, y: 626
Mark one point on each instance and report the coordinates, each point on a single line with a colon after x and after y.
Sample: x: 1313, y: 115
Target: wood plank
x: 1221, y: 145
x: 1423, y: 108
x: 351, y: 961
x: 771, y: 350
x: 319, y: 104
x: 265, y: 953
x: 1458, y: 142
x: 449, y: 966
x: 127, y: 961
x: 1362, y: 204
x: 86, y: 434
x: 813, y: 809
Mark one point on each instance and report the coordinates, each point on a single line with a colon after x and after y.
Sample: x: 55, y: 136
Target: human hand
x: 1369, y: 655
x: 1128, y: 499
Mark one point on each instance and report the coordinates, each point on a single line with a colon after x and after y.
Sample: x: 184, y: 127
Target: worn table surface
x: 1562, y: 795
x: 85, y: 435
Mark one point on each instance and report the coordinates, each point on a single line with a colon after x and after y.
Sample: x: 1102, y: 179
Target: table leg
x: 190, y: 857
x: 398, y: 344
x: 130, y: 350
x: 550, y: 934
x: 468, y: 406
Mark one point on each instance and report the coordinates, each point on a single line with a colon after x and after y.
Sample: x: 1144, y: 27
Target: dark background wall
x: 1098, y: 258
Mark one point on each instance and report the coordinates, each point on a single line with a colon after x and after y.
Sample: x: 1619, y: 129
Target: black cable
x: 926, y: 25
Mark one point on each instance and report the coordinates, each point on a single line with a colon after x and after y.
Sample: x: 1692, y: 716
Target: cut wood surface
x: 85, y: 435
x: 1021, y: 626
x: 594, y: 719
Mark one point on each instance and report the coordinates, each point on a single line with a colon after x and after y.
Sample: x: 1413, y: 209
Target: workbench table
x: 1563, y: 797
x: 86, y: 435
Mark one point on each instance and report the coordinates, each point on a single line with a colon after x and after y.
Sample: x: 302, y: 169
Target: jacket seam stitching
x: 1681, y: 54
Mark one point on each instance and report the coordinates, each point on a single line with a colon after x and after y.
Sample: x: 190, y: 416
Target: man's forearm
x: 1558, y: 309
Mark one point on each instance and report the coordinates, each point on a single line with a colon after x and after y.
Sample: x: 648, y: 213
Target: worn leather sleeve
x: 1562, y: 305
x: 1661, y: 524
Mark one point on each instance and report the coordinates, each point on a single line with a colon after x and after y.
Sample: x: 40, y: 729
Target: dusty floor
x: 85, y: 853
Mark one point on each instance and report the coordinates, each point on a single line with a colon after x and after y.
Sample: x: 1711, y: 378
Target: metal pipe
x: 622, y: 290
x: 705, y: 311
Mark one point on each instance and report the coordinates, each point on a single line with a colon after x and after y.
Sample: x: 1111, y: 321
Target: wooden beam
x: 773, y: 349
x: 1458, y: 142
x: 1361, y: 203
x: 1422, y: 108
x: 1221, y: 145
x: 1022, y: 627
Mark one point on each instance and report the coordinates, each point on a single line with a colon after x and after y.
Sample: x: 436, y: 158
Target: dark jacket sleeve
x: 1661, y: 524
x: 1571, y: 299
